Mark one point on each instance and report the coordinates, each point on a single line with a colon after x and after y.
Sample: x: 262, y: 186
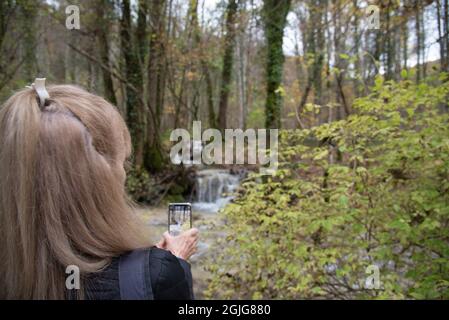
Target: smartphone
x: 179, y: 217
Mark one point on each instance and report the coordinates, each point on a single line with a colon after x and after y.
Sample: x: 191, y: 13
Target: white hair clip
x: 39, y: 87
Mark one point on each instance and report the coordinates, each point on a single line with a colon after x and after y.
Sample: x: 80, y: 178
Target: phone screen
x: 179, y: 217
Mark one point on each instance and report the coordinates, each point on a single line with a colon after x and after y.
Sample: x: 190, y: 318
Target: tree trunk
x: 242, y: 79
x: 228, y: 60
x: 423, y: 43
x: 441, y: 42
x: 389, y: 44
x: 156, y: 85
x: 133, y: 100
x: 5, y: 10
x: 404, y: 44
x: 210, y: 98
x: 357, y: 62
x: 274, y: 15
x: 446, y: 31
x: 418, y: 40
x: 320, y: 41
x: 103, y: 12
x: 29, y: 11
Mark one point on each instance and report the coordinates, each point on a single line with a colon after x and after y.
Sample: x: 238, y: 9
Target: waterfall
x: 214, y: 188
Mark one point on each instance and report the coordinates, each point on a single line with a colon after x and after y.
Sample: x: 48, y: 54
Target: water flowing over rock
x: 214, y: 189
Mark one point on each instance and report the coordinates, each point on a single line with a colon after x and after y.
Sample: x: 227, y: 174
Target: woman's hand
x: 182, y: 245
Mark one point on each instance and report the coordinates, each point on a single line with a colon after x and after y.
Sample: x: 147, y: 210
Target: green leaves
x: 321, y: 155
x: 312, y: 230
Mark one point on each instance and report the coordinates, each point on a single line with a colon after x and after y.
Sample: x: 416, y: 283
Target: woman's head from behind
x: 62, y: 197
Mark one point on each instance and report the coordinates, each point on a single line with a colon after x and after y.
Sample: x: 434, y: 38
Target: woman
x: 63, y: 203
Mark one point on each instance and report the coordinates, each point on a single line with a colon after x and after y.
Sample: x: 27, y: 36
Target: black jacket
x: 171, y: 278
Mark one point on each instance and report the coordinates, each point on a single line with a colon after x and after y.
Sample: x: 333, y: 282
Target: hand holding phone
x: 183, y: 245
x: 180, y: 239
x: 179, y: 218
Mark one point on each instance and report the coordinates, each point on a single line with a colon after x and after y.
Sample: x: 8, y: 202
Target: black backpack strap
x: 134, y: 275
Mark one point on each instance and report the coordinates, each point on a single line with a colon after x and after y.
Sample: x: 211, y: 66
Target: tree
x: 104, y: 10
x: 8, y: 49
x: 228, y: 60
x: 156, y: 85
x: 134, y: 105
x: 29, y: 11
x: 274, y: 15
x: 314, y: 54
x: 443, y: 36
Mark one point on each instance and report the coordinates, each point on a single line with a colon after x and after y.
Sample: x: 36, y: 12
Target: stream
x: 214, y: 188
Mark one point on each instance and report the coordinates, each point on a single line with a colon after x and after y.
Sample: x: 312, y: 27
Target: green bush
x: 373, y: 190
x: 140, y: 185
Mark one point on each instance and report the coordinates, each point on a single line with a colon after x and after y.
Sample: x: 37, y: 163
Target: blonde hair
x: 62, y: 195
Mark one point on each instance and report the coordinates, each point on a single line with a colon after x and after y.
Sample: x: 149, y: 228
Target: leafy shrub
x: 139, y: 184
x: 372, y: 190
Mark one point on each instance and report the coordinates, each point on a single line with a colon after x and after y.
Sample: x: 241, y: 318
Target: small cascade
x: 214, y: 188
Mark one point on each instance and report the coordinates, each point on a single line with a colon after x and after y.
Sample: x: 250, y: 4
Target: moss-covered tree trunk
x: 156, y: 85
x: 134, y: 116
x: 28, y: 10
x: 228, y: 60
x: 274, y: 17
x: 5, y: 10
x: 103, y: 13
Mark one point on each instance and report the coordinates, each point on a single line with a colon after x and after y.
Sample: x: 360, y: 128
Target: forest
x: 359, y: 91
